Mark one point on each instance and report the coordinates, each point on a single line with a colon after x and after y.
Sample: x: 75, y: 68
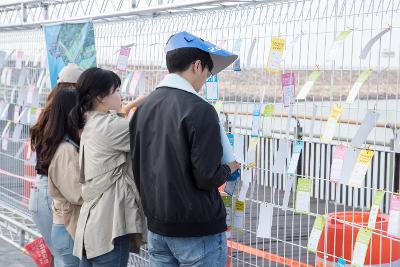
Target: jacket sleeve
x: 64, y: 173
x: 206, y: 148
x: 118, y: 134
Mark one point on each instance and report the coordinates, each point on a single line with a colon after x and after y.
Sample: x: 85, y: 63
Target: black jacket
x: 176, y: 154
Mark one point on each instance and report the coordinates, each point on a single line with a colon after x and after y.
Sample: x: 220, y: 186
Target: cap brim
x: 221, y: 62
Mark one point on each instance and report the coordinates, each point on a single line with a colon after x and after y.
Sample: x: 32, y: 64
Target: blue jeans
x: 118, y: 257
x: 210, y: 251
x: 64, y: 245
x: 40, y: 208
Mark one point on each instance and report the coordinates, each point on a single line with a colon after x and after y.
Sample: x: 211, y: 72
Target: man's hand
x: 234, y: 166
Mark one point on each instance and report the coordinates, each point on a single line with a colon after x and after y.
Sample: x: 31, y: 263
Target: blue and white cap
x: 221, y: 58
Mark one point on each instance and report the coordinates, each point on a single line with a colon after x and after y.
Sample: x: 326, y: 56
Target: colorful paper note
x: 394, y: 216
x: 360, y: 250
x: 315, y: 234
x: 239, y: 214
x: 228, y: 207
x: 357, y: 86
x: 211, y: 88
x: 269, y: 110
x: 236, y: 50
x: 292, y: 168
x: 122, y: 62
x: 360, y: 169
x: 275, y: 54
x: 337, y: 163
x: 331, y: 124
x: 251, y: 153
x: 337, y: 44
x: 376, y: 203
x: 308, y: 85
x: 288, y: 89
x: 257, y: 120
x: 303, y: 194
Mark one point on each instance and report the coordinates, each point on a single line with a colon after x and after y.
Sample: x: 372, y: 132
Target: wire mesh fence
x: 317, y: 220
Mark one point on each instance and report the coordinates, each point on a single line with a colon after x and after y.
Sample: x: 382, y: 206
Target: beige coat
x: 64, y: 186
x: 111, y: 206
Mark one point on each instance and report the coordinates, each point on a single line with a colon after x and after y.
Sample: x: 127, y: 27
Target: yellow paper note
x: 275, y: 54
x: 332, y: 123
x: 361, y: 168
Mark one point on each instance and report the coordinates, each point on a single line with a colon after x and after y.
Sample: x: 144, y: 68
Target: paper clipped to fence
x: 357, y: 86
x: 265, y: 220
x: 337, y: 163
x: 360, y: 249
x: 292, y: 168
x: 332, y: 123
x: 302, y: 95
x: 288, y: 89
x: 361, y: 167
x: 275, y: 54
x: 394, y: 216
x: 376, y: 203
x: 303, y: 194
x: 315, y: 235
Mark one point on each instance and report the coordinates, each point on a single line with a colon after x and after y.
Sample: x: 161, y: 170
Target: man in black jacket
x: 176, y: 155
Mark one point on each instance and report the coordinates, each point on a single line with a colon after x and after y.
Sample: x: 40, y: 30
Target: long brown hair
x: 37, y: 130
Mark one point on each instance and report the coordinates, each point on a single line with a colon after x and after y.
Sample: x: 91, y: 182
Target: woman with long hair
x: 40, y: 200
x: 111, y: 221
x: 61, y: 148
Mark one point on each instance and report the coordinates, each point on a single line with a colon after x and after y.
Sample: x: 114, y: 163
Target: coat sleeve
x: 206, y: 148
x: 64, y: 173
x: 118, y: 134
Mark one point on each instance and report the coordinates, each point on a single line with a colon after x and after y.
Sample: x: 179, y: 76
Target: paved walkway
x: 10, y: 256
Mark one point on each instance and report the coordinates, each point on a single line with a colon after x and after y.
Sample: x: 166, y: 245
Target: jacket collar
x: 176, y: 81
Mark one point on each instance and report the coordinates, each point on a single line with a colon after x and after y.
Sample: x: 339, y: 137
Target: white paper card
x: 371, y: 42
x: 243, y: 191
x: 238, y: 147
x: 265, y: 220
x: 366, y: 127
x: 281, y: 156
x: 349, y: 161
x: 288, y: 190
x: 17, y: 132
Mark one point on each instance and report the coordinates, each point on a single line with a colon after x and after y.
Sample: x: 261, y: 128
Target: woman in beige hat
x: 40, y: 199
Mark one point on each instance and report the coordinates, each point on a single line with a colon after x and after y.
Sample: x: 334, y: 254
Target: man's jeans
x: 210, y: 251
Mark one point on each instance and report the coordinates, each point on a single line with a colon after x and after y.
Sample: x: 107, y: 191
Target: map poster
x: 69, y: 43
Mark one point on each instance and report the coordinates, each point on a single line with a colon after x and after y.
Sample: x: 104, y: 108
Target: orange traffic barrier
x: 341, y: 240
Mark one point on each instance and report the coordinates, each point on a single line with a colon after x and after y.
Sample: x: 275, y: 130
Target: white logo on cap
x: 214, y: 48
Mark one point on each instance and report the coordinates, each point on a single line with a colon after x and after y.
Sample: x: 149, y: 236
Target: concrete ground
x: 10, y: 256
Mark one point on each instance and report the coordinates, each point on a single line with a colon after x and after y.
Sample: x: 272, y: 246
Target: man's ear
x: 197, y: 66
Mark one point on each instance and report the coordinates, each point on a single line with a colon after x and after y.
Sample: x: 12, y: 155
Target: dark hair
x: 36, y: 131
x: 57, y: 126
x: 92, y: 83
x: 179, y: 60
